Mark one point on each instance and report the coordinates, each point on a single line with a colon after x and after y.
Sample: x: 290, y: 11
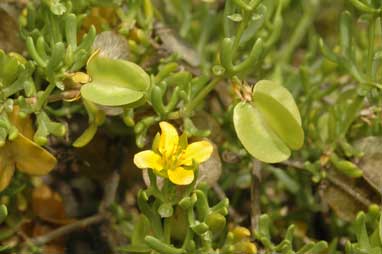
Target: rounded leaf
x: 256, y: 136
x: 281, y: 95
x: 115, y: 82
x: 280, y: 120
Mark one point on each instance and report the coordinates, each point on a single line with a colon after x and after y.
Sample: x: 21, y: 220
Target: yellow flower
x: 22, y: 153
x: 172, y: 157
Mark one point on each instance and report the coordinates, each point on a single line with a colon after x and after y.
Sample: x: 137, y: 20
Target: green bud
x: 165, y: 210
x: 41, y: 140
x: 346, y: 167
x: 186, y: 203
x: 199, y: 228
x: 13, y: 133
x: 216, y: 222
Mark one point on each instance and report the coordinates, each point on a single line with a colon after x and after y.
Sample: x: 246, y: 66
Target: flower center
x: 171, y: 160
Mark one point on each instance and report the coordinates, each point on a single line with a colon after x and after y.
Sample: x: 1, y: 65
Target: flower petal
x: 31, y: 158
x: 169, y: 139
x: 181, y: 176
x: 199, y: 151
x: 148, y: 159
x: 7, y: 169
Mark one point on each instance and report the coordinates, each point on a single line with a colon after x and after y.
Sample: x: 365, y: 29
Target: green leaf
x: 9, y: 68
x: 361, y: 231
x: 115, y: 82
x: 278, y: 108
x: 270, y: 126
x: 141, y: 228
x: 255, y: 135
x: 3, y: 213
x: 86, y: 136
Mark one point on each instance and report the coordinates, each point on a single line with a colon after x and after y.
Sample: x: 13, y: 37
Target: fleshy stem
x: 198, y: 99
x: 370, y: 51
x: 240, y: 32
x: 45, y: 95
x: 299, y: 33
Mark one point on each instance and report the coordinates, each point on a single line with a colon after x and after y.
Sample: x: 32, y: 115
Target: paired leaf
x: 115, y: 82
x: 269, y: 126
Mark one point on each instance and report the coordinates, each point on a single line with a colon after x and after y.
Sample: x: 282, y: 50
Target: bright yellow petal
x: 181, y: 176
x: 169, y: 139
x: 148, y: 159
x: 199, y: 151
x: 7, y: 168
x: 31, y: 158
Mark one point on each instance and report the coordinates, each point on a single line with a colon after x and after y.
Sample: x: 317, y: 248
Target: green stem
x: 299, y: 34
x: 370, y: 51
x: 45, y: 95
x: 240, y: 31
x: 167, y: 230
x: 198, y: 99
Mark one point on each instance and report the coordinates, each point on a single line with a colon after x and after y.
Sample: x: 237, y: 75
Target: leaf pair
x: 115, y: 82
x: 269, y: 127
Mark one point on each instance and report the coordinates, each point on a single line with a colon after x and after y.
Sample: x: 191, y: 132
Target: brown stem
x: 111, y: 186
x: 336, y: 181
x: 255, y: 194
x: 342, y: 185
x: 64, y: 230
x: 66, y: 95
x: 110, y: 191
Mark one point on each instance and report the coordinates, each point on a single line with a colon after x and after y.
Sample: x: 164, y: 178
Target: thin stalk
x: 198, y: 99
x: 45, y: 95
x: 370, y: 50
x: 240, y: 31
x: 167, y: 230
x: 299, y: 34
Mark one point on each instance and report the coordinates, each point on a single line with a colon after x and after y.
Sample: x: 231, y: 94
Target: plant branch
x: 64, y: 230
x: 255, y: 194
x: 348, y: 189
x: 334, y: 180
x: 198, y: 99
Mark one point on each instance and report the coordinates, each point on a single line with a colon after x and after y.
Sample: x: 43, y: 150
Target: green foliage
x: 268, y: 82
x: 274, y: 121
x: 172, y: 214
x: 3, y: 213
x: 114, y: 82
x: 286, y: 245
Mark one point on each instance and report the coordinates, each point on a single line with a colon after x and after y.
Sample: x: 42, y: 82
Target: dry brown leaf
x: 371, y: 162
x: 48, y: 205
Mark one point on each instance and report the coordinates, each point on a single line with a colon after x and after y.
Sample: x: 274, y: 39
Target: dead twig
x: 348, y: 189
x: 110, y: 191
x: 64, y: 230
x: 335, y: 181
x: 255, y: 195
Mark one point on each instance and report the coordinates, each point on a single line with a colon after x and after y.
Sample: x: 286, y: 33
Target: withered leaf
x: 371, y: 162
